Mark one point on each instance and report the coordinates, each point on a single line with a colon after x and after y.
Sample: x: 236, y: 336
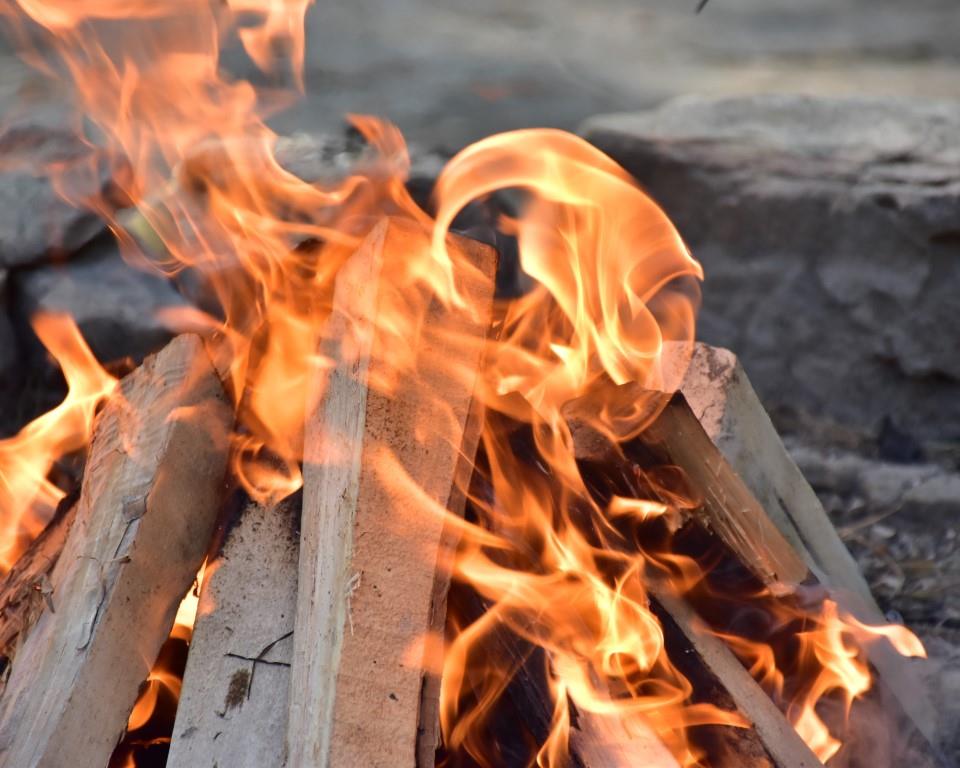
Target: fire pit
x: 403, y: 490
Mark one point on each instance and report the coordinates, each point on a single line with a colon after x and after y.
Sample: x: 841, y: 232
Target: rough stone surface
x: 829, y: 231
x: 8, y: 344
x: 114, y: 304
x: 35, y: 219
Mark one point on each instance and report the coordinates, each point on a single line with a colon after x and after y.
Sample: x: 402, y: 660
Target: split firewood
x: 26, y: 591
x: 232, y: 704
x: 599, y: 741
x: 143, y: 524
x: 728, y: 508
x: 428, y: 735
x: 719, y: 392
x: 769, y: 539
x: 370, y: 547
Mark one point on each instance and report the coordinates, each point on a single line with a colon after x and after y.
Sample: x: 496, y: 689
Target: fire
x: 560, y: 556
x: 28, y: 497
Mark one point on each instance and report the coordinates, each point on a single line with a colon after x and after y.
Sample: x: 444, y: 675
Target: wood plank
x: 145, y: 515
x: 370, y: 543
x: 719, y: 392
x: 237, y: 678
x: 605, y: 741
x: 728, y: 507
x: 428, y: 732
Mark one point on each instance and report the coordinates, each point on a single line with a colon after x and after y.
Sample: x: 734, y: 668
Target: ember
x: 610, y: 566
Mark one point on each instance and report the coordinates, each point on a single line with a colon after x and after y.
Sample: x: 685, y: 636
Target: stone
x: 42, y: 160
x: 829, y: 232
x: 882, y: 485
x: 8, y: 342
x: 114, y: 304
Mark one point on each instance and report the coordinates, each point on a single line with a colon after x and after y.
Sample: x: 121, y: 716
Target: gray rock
x: 829, y: 231
x: 927, y: 489
x: 115, y: 305
x: 8, y: 343
x: 35, y: 220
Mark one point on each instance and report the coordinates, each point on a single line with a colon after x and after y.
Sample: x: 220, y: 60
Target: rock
x: 35, y: 220
x: 927, y: 488
x: 829, y: 231
x: 114, y: 304
x: 8, y: 343
x: 939, y: 494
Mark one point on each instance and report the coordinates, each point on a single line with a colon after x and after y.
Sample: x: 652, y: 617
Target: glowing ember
x: 561, y: 566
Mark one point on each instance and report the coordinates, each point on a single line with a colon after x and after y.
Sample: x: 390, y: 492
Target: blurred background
x: 451, y: 71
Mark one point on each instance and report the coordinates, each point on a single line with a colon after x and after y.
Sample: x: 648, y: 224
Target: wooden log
x: 719, y: 392
x: 26, y: 590
x: 144, y: 519
x: 237, y: 680
x: 370, y: 543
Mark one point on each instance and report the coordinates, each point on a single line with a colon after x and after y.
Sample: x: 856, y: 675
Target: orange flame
x: 561, y: 565
x: 27, y: 496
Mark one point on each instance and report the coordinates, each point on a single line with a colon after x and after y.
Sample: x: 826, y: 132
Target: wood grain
x: 144, y: 519
x: 728, y: 507
x: 26, y: 591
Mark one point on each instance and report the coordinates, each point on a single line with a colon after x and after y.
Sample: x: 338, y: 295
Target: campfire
x: 363, y: 509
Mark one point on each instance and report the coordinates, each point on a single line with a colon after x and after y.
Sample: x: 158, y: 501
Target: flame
x: 28, y: 497
x: 560, y: 555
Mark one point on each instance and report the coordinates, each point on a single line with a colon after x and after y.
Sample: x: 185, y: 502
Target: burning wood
x: 728, y: 508
x: 367, y: 588
x: 636, y: 576
x: 718, y: 389
x: 142, y: 525
x: 758, y: 539
x: 718, y: 676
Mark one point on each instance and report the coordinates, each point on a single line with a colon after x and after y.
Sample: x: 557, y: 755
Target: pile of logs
x: 308, y: 646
